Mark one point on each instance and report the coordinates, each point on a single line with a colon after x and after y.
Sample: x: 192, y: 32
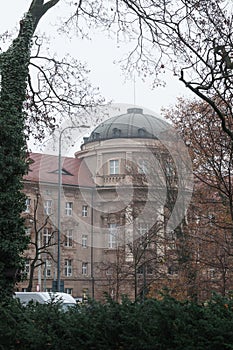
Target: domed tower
x: 129, y: 161
x: 126, y: 157
x: 121, y: 142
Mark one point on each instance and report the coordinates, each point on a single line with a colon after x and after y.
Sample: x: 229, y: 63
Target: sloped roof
x: 44, y: 168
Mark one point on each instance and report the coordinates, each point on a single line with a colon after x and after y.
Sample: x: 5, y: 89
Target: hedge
x: 154, y: 324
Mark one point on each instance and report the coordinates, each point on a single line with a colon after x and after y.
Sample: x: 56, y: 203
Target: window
x: 68, y: 267
x: 141, y: 132
x: 116, y: 132
x: 143, y: 166
x: 69, y: 208
x: 211, y: 273
x: 112, y: 237
x: 84, y: 241
x: 144, y: 269
x: 48, y: 266
x: 143, y: 228
x: 69, y: 290
x: 95, y: 135
x: 68, y: 238
x: 47, y: 236
x: 114, y: 167
x: 48, y: 207
x: 84, y: 210
x: 149, y: 269
x: 27, y: 267
x: 84, y: 268
x: 63, y: 172
x: 28, y: 204
x: 145, y: 238
x: 140, y: 270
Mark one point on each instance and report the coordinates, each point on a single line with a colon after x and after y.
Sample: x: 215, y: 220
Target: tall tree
x: 25, y: 108
x: 191, y: 38
x: 210, y: 147
x: 210, y: 219
x: 14, y: 69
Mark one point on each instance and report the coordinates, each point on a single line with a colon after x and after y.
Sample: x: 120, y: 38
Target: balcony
x: 113, y: 179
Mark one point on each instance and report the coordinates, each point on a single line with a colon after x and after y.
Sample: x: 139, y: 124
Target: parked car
x: 44, y: 298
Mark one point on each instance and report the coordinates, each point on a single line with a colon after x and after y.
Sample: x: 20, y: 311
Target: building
x: 118, y: 195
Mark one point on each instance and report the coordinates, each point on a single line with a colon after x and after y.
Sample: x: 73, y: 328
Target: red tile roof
x: 44, y: 168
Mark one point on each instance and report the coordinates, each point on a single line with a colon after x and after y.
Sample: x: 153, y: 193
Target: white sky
x: 99, y: 54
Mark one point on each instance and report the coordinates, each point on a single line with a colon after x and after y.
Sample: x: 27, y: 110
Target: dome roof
x: 133, y: 124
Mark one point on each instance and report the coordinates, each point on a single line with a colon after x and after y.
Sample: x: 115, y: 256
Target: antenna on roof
x: 134, y: 90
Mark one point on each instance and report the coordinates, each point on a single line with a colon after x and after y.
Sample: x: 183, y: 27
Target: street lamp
x: 58, y: 287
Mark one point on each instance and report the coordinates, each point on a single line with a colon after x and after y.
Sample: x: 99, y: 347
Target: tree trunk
x: 32, y: 270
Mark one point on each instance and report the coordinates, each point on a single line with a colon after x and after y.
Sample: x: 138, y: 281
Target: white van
x: 44, y: 297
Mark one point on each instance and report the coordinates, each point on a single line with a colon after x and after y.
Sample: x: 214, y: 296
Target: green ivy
x: 14, y: 73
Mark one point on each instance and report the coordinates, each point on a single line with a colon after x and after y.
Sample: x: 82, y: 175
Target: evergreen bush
x: 165, y: 324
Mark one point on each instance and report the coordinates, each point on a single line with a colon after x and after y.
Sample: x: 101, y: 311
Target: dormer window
x: 63, y: 172
x: 116, y: 132
x: 96, y: 135
x: 141, y: 132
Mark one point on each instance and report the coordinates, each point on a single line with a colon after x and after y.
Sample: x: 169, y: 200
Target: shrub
x: 165, y: 324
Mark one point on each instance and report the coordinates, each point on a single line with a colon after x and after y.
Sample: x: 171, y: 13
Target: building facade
x: 117, y: 198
